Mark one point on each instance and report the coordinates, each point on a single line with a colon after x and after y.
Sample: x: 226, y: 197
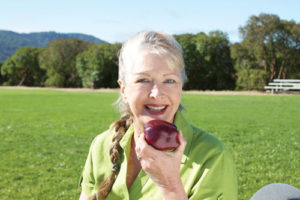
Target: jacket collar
x: 187, y: 132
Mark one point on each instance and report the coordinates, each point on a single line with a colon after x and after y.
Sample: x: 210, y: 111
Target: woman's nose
x: 156, y: 91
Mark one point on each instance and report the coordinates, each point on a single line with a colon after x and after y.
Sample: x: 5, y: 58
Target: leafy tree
x: 193, y: 62
x: 59, y: 61
x: 208, y: 61
x: 98, y: 66
x: 219, y: 71
x: 7, y: 68
x: 22, y: 68
x: 273, y: 45
x: 2, y: 78
x: 0, y: 73
x: 291, y: 69
x: 250, y: 79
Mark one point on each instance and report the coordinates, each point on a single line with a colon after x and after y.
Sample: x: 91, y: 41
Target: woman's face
x: 152, y: 90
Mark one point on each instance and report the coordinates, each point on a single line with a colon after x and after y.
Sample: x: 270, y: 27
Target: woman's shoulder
x: 206, y: 141
x: 206, y: 150
x: 197, y: 137
x: 102, y: 140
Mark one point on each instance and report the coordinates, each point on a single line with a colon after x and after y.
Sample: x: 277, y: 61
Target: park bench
x: 283, y: 85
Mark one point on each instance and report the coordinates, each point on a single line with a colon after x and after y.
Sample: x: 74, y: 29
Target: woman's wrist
x: 173, y: 191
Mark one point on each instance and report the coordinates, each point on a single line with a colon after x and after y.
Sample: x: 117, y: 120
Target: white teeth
x: 156, y: 108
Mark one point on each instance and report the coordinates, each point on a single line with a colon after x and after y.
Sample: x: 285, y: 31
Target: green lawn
x: 45, y: 136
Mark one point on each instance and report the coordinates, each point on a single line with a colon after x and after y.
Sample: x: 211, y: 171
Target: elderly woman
x: 122, y: 165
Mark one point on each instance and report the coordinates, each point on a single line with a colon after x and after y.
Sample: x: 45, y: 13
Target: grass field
x: 45, y: 136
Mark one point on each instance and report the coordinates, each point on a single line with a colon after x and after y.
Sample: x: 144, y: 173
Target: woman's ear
x: 123, y: 92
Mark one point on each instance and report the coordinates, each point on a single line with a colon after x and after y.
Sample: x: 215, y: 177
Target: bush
x: 251, y: 79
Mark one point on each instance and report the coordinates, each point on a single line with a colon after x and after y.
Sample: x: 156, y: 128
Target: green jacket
x: 207, y: 169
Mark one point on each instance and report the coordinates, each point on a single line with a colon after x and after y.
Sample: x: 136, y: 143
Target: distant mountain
x: 11, y: 41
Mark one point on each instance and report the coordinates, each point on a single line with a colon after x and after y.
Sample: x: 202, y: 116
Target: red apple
x: 162, y: 135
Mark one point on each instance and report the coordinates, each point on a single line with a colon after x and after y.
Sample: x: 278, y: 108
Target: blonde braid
x: 120, y: 126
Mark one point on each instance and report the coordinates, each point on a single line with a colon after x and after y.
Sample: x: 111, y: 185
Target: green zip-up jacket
x: 207, y: 170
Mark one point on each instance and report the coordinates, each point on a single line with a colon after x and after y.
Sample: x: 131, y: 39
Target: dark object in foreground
x: 162, y: 135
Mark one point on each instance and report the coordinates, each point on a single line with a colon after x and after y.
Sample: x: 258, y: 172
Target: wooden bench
x: 283, y: 85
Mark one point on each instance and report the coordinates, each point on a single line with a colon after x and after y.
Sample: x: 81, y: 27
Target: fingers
x: 182, y: 145
x: 140, y: 146
x: 145, y: 151
x: 141, y: 143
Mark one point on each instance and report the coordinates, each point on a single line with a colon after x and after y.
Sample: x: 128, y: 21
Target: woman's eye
x: 142, y: 80
x: 170, y: 81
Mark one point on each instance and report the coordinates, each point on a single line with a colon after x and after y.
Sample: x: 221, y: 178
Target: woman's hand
x: 163, y: 167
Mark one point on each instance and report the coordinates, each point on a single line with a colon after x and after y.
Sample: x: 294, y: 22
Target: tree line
x: 270, y: 48
x: 11, y: 41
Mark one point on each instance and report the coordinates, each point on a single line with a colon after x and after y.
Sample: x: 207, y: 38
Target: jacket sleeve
x: 87, y: 179
x: 218, y: 180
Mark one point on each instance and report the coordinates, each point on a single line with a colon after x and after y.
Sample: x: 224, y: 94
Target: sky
x: 116, y: 20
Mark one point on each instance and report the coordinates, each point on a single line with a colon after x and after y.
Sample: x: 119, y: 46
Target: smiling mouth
x: 156, y: 108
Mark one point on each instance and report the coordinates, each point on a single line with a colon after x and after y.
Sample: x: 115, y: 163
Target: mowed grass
x: 45, y: 137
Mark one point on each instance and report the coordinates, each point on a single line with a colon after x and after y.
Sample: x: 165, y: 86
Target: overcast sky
x: 116, y: 20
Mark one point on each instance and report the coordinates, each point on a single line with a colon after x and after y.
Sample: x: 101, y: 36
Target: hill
x: 10, y: 41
